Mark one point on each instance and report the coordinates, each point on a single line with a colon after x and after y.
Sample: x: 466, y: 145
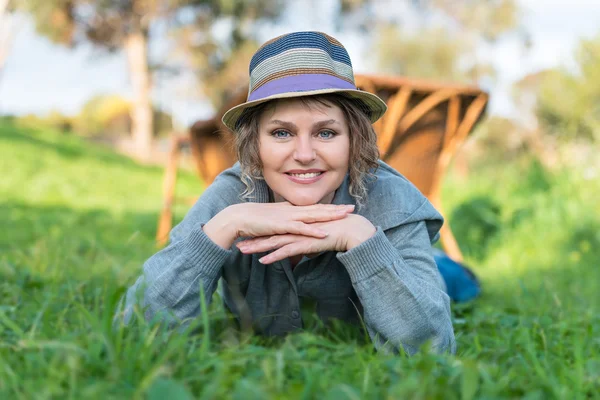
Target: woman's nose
x: 304, y: 151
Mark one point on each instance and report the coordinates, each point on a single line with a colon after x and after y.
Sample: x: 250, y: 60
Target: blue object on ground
x: 461, y: 283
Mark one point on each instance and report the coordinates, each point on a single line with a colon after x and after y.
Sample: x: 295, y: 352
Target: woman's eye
x: 326, y: 134
x: 280, y: 134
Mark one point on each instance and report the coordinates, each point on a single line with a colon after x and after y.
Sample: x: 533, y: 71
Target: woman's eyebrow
x: 321, y: 124
x: 292, y: 126
x: 288, y: 125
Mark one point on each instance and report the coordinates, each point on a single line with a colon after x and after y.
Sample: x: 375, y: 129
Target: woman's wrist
x: 361, y: 234
x: 221, y: 229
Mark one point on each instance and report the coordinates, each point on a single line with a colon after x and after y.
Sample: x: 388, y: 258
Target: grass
x: 78, y: 221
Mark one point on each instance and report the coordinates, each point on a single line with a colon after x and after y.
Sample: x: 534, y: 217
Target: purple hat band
x: 299, y: 83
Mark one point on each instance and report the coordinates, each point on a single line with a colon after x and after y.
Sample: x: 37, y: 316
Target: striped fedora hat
x: 302, y: 64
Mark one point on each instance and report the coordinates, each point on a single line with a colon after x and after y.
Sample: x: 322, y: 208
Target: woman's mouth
x: 305, y: 177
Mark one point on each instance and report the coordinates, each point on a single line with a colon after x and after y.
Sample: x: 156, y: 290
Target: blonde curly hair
x: 364, y: 153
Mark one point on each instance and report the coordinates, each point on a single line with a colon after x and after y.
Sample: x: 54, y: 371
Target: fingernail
x: 262, y: 260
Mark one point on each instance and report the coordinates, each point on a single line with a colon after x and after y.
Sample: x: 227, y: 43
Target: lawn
x: 78, y: 221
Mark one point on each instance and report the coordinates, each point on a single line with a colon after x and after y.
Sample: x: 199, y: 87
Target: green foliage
x: 447, y: 48
x: 221, y: 64
x: 79, y: 222
x: 53, y: 18
x: 110, y: 115
x: 483, y: 217
x: 53, y: 120
x: 108, y: 24
x: 569, y: 102
x: 104, y: 23
x: 489, y: 18
x: 499, y: 138
x: 104, y: 115
x: 430, y: 53
x: 223, y: 81
x: 481, y: 222
x: 101, y: 116
x: 127, y: 24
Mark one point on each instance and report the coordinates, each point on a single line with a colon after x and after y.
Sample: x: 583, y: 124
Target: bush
x: 109, y: 116
x: 54, y: 120
x: 475, y: 222
x: 568, y: 104
x: 104, y: 115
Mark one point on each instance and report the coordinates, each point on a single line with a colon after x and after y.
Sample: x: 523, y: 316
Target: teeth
x: 306, y: 176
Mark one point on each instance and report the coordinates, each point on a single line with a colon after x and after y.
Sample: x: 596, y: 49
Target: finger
x: 323, y: 215
x: 261, y: 240
x: 301, y: 228
x: 325, y: 206
x: 268, y: 243
x: 290, y: 250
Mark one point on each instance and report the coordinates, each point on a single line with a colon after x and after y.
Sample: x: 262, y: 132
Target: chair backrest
x: 425, y: 124
x: 212, y: 143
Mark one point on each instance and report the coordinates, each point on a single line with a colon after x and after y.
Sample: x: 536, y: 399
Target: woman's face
x: 304, y: 151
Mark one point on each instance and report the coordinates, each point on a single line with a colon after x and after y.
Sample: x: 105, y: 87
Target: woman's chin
x: 303, y: 196
x: 303, y: 200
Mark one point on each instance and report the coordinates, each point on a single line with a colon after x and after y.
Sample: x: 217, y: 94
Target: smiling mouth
x: 307, y: 175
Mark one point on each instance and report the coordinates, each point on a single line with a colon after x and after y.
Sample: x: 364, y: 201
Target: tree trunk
x: 3, y: 8
x: 136, y: 48
x: 5, y: 33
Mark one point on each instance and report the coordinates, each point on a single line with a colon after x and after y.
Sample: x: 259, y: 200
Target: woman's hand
x: 343, y: 234
x: 267, y: 219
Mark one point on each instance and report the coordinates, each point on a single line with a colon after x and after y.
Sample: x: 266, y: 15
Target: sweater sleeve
x: 169, y: 287
x: 397, y: 281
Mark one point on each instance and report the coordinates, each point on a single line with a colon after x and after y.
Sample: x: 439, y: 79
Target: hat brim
x: 375, y: 106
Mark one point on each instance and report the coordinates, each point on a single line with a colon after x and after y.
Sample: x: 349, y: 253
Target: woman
x: 308, y: 215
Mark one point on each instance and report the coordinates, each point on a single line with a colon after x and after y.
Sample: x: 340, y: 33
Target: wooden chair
x: 425, y: 124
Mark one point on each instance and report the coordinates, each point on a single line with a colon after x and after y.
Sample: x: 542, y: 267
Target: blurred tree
x: 106, y: 117
x: 477, y: 222
x: 445, y: 38
x: 498, y: 139
x: 128, y: 25
x: 103, y: 115
x: 3, y: 8
x: 221, y: 65
x: 525, y: 98
x: 109, y: 116
x: 59, y: 121
x: 488, y: 19
x: 428, y: 53
x: 568, y: 101
x: 6, y: 32
x: 54, y: 119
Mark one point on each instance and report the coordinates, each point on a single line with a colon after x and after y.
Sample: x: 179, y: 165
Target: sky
x: 40, y: 77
